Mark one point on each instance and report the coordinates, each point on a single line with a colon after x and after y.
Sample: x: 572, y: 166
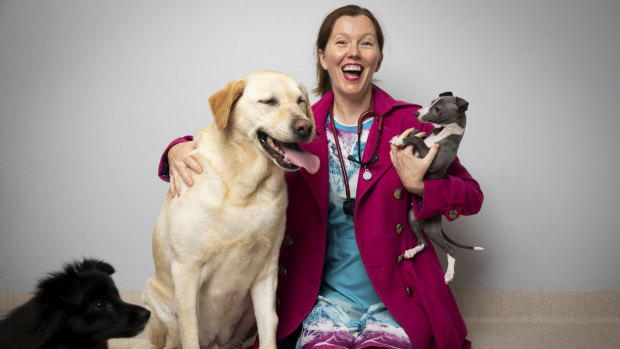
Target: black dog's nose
x: 303, y: 128
x: 142, y: 315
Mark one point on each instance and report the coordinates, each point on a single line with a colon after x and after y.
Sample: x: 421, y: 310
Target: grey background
x: 92, y: 91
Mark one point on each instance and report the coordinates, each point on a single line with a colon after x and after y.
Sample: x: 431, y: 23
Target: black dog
x: 76, y: 308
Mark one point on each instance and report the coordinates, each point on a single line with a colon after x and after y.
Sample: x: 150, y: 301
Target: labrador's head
x: 273, y: 112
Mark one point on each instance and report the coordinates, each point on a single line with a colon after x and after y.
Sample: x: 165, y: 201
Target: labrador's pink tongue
x: 303, y: 159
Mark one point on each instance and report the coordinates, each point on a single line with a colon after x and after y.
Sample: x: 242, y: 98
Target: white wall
x: 92, y: 91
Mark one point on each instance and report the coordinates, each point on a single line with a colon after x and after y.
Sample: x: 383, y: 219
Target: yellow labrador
x: 216, y: 246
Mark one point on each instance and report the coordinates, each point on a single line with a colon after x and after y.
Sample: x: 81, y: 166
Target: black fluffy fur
x: 78, y: 307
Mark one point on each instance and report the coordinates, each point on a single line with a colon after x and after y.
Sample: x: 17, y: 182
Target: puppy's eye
x: 437, y: 109
x: 301, y: 101
x: 270, y: 101
x: 100, y: 304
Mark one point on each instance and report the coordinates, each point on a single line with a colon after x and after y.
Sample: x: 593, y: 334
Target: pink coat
x: 414, y: 290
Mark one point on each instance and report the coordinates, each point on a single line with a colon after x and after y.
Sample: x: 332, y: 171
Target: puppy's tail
x: 448, y: 239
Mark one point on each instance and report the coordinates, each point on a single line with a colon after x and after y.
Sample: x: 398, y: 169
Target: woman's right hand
x: 181, y: 163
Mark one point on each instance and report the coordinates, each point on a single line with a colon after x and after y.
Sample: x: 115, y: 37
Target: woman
x: 342, y: 283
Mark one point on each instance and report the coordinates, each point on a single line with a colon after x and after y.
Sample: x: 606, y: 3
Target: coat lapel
x: 384, y: 104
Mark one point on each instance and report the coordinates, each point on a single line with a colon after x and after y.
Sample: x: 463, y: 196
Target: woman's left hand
x: 410, y: 168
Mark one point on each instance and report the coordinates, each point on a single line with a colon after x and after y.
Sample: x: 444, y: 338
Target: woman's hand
x: 181, y: 163
x: 411, y: 169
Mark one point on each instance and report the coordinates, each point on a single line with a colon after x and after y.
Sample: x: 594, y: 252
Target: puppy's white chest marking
x: 451, y: 129
x: 448, y: 130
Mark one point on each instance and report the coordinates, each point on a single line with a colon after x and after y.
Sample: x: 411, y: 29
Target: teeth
x: 274, y: 146
x: 354, y: 68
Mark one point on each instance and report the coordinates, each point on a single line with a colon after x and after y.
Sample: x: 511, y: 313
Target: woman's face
x: 351, y: 55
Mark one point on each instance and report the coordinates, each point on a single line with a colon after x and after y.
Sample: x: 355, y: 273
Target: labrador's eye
x: 270, y: 101
x: 301, y: 101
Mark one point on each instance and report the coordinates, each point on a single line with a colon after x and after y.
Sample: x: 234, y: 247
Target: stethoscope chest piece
x: 348, y: 206
x: 367, y: 175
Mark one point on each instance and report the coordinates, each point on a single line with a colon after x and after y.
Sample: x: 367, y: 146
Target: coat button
x: 400, y: 259
x: 409, y: 291
x: 453, y: 214
x: 399, y: 228
x: 288, y: 240
x: 281, y: 269
x: 398, y: 193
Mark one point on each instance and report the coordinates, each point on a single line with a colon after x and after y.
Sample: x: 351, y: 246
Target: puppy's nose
x: 417, y: 113
x: 303, y: 128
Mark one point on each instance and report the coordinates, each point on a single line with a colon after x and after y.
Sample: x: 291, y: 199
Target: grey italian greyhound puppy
x: 448, y: 112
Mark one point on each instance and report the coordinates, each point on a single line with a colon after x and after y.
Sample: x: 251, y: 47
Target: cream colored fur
x: 216, y: 246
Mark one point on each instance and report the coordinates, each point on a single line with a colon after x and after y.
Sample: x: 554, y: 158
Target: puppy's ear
x: 444, y: 94
x: 94, y: 264
x: 221, y: 102
x: 462, y: 104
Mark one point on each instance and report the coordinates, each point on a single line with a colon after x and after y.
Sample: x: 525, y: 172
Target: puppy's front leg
x: 263, y: 293
x: 186, y: 278
x: 418, y: 143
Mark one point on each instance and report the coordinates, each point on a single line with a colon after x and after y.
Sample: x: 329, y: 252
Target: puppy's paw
x: 449, y: 276
x: 397, y: 141
x: 410, y: 253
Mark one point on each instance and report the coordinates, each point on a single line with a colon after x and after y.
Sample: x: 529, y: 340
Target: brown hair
x: 324, y: 83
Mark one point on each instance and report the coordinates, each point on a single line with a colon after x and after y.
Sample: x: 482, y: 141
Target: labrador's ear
x: 309, y: 112
x: 222, y: 102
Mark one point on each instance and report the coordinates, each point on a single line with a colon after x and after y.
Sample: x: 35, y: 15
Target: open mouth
x: 289, y: 156
x: 352, y: 72
x: 277, y: 151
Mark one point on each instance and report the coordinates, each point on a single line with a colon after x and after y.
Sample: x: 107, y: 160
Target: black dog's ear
x: 71, y: 292
x: 64, y: 285
x: 462, y: 104
x: 448, y: 93
x: 89, y: 264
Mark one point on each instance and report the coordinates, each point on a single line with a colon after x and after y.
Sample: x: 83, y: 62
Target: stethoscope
x: 348, y: 206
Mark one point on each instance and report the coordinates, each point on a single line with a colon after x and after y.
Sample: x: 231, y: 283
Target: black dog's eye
x: 103, y: 305
x: 437, y: 109
x: 270, y: 101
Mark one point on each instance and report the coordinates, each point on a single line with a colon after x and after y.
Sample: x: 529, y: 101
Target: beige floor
x: 510, y: 319
x: 544, y: 336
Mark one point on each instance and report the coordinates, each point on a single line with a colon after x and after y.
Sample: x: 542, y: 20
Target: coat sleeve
x: 458, y: 193
x: 164, y: 167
